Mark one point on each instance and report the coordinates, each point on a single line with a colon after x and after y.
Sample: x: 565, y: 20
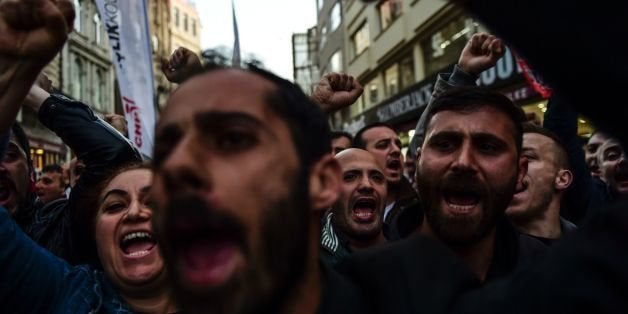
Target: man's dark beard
x: 462, y: 231
x: 273, y: 269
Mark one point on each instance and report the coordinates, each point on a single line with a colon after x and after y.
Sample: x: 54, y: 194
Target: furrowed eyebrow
x: 445, y: 135
x: 218, y: 120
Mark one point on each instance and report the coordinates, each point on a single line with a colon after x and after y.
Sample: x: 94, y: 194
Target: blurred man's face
x: 50, y: 187
x: 614, y: 167
x: 14, y: 178
x: 232, y: 203
x: 339, y: 144
x: 539, y: 183
x: 591, y: 153
x: 360, y: 209
x: 385, y: 145
x: 467, y: 173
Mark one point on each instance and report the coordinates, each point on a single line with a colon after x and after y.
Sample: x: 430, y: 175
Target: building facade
x: 84, y: 71
x: 395, y: 48
x: 160, y: 32
x: 185, y: 26
x: 305, y: 59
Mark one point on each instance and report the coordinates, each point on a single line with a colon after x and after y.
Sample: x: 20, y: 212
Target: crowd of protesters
x: 251, y: 204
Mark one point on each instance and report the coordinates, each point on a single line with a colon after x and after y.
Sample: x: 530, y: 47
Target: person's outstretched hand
x: 336, y: 91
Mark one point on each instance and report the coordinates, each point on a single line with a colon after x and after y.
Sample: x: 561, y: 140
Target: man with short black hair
x: 243, y: 173
x: 340, y: 140
x: 51, y: 185
x: 468, y: 170
x: 402, y: 214
x: 535, y: 209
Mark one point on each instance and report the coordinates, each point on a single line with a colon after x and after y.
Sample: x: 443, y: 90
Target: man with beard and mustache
x: 402, y: 214
x: 468, y: 169
x: 243, y: 172
x: 354, y: 222
x: 535, y: 209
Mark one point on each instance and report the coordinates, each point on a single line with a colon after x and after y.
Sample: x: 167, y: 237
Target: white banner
x: 126, y: 23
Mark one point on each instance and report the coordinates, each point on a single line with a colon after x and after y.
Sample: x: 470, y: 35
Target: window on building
x: 194, y: 27
x: 389, y: 11
x: 391, y: 76
x: 176, y: 17
x: 373, y: 93
x: 97, y: 24
x: 335, y: 17
x: 323, y: 36
x: 319, y: 4
x: 360, y: 39
x: 443, y: 47
x: 99, y: 88
x: 77, y: 15
x: 335, y: 63
x: 78, y: 79
x: 406, y: 69
x: 185, y: 22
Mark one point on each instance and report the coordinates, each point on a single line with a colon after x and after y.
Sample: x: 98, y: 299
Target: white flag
x: 126, y: 23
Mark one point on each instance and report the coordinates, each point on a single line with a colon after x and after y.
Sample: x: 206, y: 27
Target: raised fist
x: 34, y: 31
x: 336, y: 91
x: 183, y: 63
x: 481, y: 53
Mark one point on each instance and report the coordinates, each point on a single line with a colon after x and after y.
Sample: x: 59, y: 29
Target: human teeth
x: 138, y: 253
x: 461, y: 207
x: 134, y: 235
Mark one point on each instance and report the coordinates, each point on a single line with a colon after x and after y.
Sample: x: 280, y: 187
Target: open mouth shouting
x: 206, y: 247
x: 363, y: 209
x: 461, y: 202
x: 137, y: 244
x: 393, y: 166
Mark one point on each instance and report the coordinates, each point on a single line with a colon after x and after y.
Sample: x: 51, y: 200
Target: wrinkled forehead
x: 379, y: 133
x: 484, y: 119
x: 355, y: 158
x: 220, y: 90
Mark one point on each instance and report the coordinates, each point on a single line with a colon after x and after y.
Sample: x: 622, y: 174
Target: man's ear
x: 523, y: 170
x: 324, y: 182
x: 563, y: 180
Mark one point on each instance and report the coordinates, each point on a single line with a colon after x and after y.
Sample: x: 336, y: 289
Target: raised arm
x: 32, y: 33
x: 101, y: 147
x: 480, y: 53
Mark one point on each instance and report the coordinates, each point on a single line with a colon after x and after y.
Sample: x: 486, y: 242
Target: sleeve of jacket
x: 93, y: 140
x: 444, y: 82
x: 563, y: 121
x: 32, y: 279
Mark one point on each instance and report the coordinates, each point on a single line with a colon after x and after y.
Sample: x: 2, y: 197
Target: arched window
x: 97, y: 25
x: 99, y: 86
x: 78, y: 12
x: 78, y: 79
